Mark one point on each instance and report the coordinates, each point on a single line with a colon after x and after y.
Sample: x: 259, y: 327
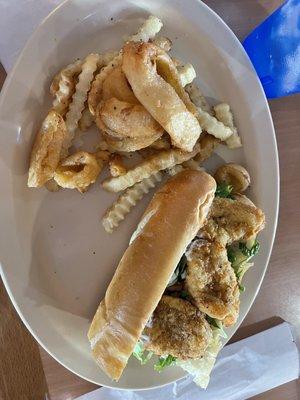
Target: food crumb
x: 94, y: 252
x: 111, y: 19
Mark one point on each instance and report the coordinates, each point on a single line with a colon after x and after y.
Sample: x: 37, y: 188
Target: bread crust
x: 172, y: 219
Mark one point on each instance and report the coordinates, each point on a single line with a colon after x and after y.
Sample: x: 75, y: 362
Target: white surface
x: 18, y: 19
x: 244, y: 369
x: 48, y: 241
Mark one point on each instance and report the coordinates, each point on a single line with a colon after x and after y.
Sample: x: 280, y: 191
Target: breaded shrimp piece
x: 211, y: 281
x: 178, y: 328
x: 233, y: 220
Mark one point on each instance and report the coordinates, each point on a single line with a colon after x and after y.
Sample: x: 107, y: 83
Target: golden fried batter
x: 116, y: 85
x: 178, y: 328
x: 46, y: 152
x: 78, y: 171
x: 233, y: 220
x: 211, y: 280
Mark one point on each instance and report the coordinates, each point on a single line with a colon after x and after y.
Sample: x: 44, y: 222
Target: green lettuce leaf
x: 224, y: 190
x: 163, y: 362
x: 141, y: 354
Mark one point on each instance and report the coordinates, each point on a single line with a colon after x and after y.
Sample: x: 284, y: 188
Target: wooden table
x: 278, y: 298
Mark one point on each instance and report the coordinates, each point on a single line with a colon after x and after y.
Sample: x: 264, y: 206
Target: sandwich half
x: 173, y: 218
x: 178, y: 282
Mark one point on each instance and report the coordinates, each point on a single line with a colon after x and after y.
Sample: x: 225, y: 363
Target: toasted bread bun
x: 172, y: 219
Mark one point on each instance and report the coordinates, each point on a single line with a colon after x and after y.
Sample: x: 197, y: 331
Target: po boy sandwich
x: 179, y: 247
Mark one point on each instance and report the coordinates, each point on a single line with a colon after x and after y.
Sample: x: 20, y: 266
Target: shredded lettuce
x: 240, y: 255
x: 202, y: 367
x: 163, y: 362
x: 216, y: 325
x: 144, y: 356
x: 249, y: 251
x: 141, y: 354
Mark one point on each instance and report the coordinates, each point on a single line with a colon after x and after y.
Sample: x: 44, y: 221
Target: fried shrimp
x: 233, y: 220
x: 211, y: 280
x: 178, y: 328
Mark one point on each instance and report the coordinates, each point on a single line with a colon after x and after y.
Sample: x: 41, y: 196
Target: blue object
x: 274, y: 49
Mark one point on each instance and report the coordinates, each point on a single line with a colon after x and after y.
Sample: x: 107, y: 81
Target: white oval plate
x: 56, y: 259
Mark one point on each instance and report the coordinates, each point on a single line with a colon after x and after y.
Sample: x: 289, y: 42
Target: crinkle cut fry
x: 79, y: 98
x: 63, y: 86
x: 86, y: 120
x: 123, y: 205
x: 197, y: 97
x: 186, y: 74
x: 127, y: 200
x: 224, y: 114
x: 214, y: 126
x: 157, y: 162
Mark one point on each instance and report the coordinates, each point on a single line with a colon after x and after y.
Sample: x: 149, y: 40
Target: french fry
x: 224, y: 114
x: 116, y: 165
x: 86, y: 120
x: 146, y: 32
x: 163, y: 42
x: 197, y: 97
x: 212, y: 126
x: 190, y: 164
x: 46, y: 150
x: 78, y: 171
x: 208, y: 122
x: 95, y: 94
x: 63, y: 86
x: 186, y: 74
x: 79, y: 97
x: 127, y: 200
x: 160, y: 161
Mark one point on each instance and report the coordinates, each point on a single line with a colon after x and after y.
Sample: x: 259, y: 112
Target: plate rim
x: 5, y: 87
